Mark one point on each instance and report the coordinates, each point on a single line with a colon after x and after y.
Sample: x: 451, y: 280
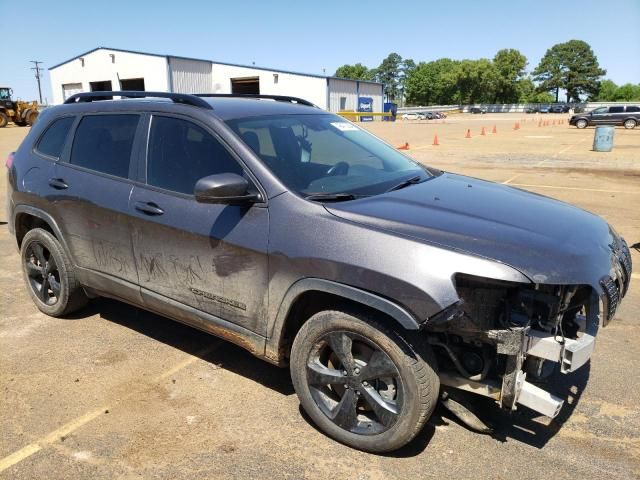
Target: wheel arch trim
x: 45, y: 217
x: 368, y: 299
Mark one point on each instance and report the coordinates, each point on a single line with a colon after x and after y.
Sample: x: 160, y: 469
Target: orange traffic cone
x: 468, y: 135
x: 516, y: 126
x: 482, y: 132
x: 554, y: 123
x: 435, y: 141
x: 403, y: 147
x: 494, y: 130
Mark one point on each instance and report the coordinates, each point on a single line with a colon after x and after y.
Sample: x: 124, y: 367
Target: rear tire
x: 581, y: 123
x: 4, y: 120
x: 363, y: 384
x: 49, y: 275
x: 630, y: 123
x: 31, y: 118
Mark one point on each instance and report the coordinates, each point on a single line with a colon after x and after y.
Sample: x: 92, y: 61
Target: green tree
x: 541, y: 97
x: 355, y: 72
x: 477, y: 81
x: 571, y: 65
x: 408, y: 66
x: 510, y: 66
x: 628, y: 93
x: 607, y: 92
x: 389, y: 73
x: 432, y: 83
x: 526, y: 89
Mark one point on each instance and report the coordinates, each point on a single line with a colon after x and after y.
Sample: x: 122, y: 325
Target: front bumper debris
x: 518, y: 344
x: 570, y: 354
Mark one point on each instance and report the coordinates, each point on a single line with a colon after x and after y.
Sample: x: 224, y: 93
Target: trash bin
x: 603, y: 138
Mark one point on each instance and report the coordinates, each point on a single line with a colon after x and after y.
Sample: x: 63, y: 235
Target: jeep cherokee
x: 313, y: 244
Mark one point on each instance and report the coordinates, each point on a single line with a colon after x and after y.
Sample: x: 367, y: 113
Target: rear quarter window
x: 103, y: 143
x: 52, y: 141
x: 632, y: 109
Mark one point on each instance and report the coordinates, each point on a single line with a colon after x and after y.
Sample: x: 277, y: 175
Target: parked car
x: 413, y: 116
x: 477, y: 110
x: 626, y: 115
x: 378, y: 281
x: 558, y: 109
x: 531, y: 110
x: 544, y: 109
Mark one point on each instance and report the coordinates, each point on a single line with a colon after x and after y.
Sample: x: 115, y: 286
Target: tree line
x: 571, y: 66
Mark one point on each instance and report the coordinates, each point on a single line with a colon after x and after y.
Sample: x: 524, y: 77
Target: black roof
x: 235, y: 107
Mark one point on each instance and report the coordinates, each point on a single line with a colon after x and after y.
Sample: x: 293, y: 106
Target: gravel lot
x: 115, y: 392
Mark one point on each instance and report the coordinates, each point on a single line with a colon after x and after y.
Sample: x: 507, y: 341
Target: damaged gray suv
x: 295, y: 234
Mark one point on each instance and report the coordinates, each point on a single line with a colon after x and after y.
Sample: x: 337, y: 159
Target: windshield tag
x: 345, y: 126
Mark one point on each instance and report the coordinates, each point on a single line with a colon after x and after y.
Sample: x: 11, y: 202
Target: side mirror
x: 228, y: 188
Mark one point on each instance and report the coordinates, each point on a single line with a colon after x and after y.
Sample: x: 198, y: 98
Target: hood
x: 547, y: 240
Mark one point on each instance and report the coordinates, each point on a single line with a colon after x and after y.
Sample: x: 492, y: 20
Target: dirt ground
x: 115, y: 392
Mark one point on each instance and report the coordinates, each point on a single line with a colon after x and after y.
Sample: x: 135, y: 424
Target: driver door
x: 211, y: 257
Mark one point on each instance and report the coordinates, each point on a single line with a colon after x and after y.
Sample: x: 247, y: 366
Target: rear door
x: 94, y: 188
x: 209, y: 257
x: 616, y: 114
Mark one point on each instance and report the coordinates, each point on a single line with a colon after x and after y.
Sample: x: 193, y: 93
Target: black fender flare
x: 45, y: 217
x: 368, y: 299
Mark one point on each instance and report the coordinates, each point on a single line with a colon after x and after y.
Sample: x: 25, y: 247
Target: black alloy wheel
x: 43, y: 274
x: 354, y: 383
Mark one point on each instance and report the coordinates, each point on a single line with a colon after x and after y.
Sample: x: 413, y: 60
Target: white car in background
x: 413, y: 116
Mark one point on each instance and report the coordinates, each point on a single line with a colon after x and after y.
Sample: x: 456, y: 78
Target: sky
x: 314, y: 36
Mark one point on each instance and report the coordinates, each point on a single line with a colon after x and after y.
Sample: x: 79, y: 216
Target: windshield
x: 324, y: 154
x: 5, y: 93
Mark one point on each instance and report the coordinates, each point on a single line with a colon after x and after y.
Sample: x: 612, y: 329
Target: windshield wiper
x: 406, y: 183
x: 332, y: 197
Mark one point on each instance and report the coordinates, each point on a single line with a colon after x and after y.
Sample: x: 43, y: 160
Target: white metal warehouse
x: 103, y: 69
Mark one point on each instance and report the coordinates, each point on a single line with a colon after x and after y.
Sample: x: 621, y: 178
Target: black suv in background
x: 628, y: 116
x: 311, y: 243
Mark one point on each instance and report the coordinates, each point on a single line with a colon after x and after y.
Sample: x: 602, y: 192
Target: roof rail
x: 182, y: 98
x: 277, y: 98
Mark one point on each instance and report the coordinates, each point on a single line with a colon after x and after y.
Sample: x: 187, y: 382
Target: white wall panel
x: 190, y: 76
x: 313, y: 89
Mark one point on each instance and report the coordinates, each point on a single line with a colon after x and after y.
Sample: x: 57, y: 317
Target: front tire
x: 630, y: 123
x: 363, y: 384
x: 49, y: 275
x: 4, y: 120
x: 582, y: 123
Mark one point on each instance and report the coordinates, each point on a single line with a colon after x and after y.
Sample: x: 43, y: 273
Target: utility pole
x: 37, y: 69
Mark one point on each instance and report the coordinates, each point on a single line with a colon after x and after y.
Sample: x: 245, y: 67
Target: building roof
x: 279, y: 70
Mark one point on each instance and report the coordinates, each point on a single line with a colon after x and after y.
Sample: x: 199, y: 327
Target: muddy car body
x: 316, y: 246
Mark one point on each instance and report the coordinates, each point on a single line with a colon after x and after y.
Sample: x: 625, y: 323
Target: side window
x: 616, y: 109
x: 103, y: 143
x: 633, y: 108
x: 54, y: 138
x: 181, y: 153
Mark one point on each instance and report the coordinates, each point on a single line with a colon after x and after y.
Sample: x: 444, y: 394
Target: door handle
x: 149, y: 208
x: 58, y: 183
